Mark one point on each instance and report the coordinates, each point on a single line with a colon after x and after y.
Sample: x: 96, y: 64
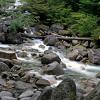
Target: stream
x: 76, y: 70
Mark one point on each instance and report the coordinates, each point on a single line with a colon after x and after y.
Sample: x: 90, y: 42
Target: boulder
x: 3, y: 67
x: 43, y: 82
x: 5, y: 93
x: 66, y: 90
x: 27, y: 93
x: 94, y: 94
x: 54, y: 68
x: 46, y: 94
x: 50, y: 40
x: 49, y: 58
x: 22, y: 85
x: 8, y: 98
x: 7, y: 61
x: 7, y: 54
x: 73, y: 55
x: 94, y: 56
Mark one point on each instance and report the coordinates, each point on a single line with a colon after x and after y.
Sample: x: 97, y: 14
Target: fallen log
x: 74, y: 38
x: 58, y: 37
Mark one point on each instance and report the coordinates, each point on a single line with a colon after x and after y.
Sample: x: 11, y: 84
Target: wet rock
x: 22, y: 85
x: 46, y: 94
x: 50, y: 40
x: 7, y: 61
x: 86, y: 44
x: 16, y: 68
x: 3, y: 67
x: 98, y: 75
x: 36, y: 95
x: 27, y: 98
x: 7, y: 54
x: 94, y: 94
x: 43, y: 82
x: 22, y: 54
x: 27, y: 93
x: 8, y: 98
x: 49, y: 58
x: 54, y: 69
x: 73, y: 55
x: 2, y: 82
x: 2, y: 37
x: 66, y: 44
x: 94, y: 56
x: 5, y: 93
x: 66, y: 90
x: 74, y: 42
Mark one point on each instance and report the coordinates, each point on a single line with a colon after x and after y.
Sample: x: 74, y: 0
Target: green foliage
x: 85, y: 24
x: 20, y: 21
x: 48, y: 12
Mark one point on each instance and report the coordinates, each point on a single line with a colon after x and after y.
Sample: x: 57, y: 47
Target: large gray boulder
x: 50, y: 40
x: 66, y: 90
x: 54, y: 68
x: 49, y: 58
x: 94, y: 56
x: 94, y: 94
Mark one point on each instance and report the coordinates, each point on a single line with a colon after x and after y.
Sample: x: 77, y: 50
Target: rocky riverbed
x: 47, y: 68
x: 31, y: 67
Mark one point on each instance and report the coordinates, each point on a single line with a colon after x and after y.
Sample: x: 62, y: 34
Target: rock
x: 66, y: 90
x: 94, y: 56
x: 27, y: 98
x: 8, y: 98
x: 86, y: 44
x: 16, y: 67
x: 7, y: 54
x: 43, y: 82
x: 62, y: 65
x: 94, y: 94
x: 98, y: 75
x: 5, y: 93
x: 54, y: 69
x: 56, y: 28
x: 74, y: 42
x: 7, y: 61
x: 50, y: 40
x: 36, y: 95
x: 46, y: 94
x: 73, y: 55
x: 2, y: 37
x: 3, y: 67
x: 2, y: 82
x: 27, y: 93
x: 66, y: 44
x: 22, y: 54
x: 49, y: 58
x: 22, y: 85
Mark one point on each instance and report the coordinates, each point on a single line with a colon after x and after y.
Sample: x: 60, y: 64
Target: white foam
x: 4, y: 46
